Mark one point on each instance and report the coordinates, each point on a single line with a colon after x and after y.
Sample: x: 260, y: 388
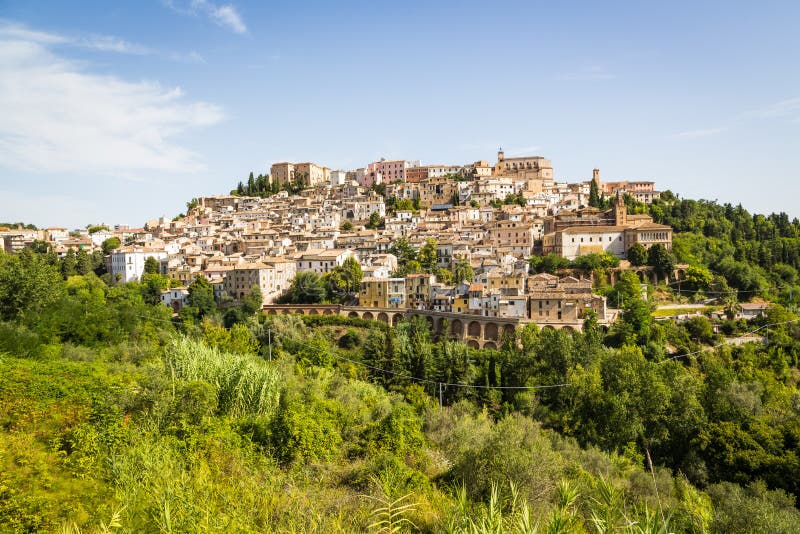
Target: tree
x: 151, y: 265
x: 637, y: 255
x: 307, y: 288
x: 343, y: 280
x: 346, y: 226
x: 251, y: 184
x: 201, y: 297
x: 110, y: 244
x: 403, y: 250
x: 374, y: 220
x: 594, y: 195
x: 463, y: 271
x: 428, y: 257
x: 28, y: 285
x: 192, y: 204
x: 83, y: 263
x: 68, y: 264
x: 252, y: 302
x: 660, y: 259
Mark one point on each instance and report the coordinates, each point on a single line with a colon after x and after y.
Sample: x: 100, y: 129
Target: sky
x: 121, y: 112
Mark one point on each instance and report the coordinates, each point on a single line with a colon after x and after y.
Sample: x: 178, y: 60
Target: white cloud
x: 224, y: 15
x: 228, y: 17
x: 58, y: 117
x: 695, y: 134
x: 789, y: 108
x: 99, y: 43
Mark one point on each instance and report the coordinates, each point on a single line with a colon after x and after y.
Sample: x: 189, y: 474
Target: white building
x: 338, y: 178
x: 322, y: 261
x: 176, y: 298
x: 127, y: 263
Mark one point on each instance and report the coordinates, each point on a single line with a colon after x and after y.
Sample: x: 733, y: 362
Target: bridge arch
x: 367, y: 315
x: 473, y: 344
x: 382, y: 317
x: 474, y: 329
x: 397, y: 318
x: 490, y: 331
x: 490, y: 345
x: 353, y: 315
x: 457, y: 328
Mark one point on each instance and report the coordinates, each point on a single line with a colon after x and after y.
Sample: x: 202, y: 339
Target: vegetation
x: 117, y: 414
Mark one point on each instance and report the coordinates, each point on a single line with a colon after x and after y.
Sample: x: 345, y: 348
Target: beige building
x: 516, y: 236
x: 383, y: 293
x: 240, y: 280
x: 565, y: 300
x: 535, y: 170
x: 312, y: 174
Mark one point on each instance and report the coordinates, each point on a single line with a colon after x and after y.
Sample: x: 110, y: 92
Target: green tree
x: 201, y: 297
x: 252, y: 302
x: 403, y: 250
x: 637, y: 254
x: 151, y: 265
x: 306, y: 288
x: 28, y: 285
x: 463, y: 271
x: 346, y: 226
x: 660, y: 259
x: 428, y: 257
x: 594, y: 195
x: 68, y: 264
x: 251, y: 184
x: 83, y: 263
x: 375, y: 220
x: 110, y: 244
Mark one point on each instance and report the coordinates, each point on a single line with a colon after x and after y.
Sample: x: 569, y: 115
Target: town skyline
x: 159, y: 102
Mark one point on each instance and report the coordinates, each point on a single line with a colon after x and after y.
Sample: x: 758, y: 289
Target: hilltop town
x: 455, y: 241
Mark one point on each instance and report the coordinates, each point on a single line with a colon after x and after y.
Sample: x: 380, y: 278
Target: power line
x: 438, y: 383
x: 714, y: 347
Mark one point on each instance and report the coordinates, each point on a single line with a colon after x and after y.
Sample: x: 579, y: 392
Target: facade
x: 240, y: 280
x: 127, y: 263
x: 527, y: 167
x: 383, y: 292
x: 312, y: 174
x: 321, y: 261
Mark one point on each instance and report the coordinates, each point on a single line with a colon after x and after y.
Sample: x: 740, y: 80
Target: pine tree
x: 251, y: 184
x: 594, y: 195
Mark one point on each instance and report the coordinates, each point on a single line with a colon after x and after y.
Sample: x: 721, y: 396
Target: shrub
x: 245, y: 384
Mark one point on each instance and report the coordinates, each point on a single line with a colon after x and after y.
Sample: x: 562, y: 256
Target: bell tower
x: 620, y: 211
x: 500, y: 155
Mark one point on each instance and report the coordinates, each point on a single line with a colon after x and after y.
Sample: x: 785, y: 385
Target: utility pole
x: 440, y: 395
x: 269, y: 342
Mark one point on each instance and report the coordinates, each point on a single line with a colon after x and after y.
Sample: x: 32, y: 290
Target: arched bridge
x: 475, y: 330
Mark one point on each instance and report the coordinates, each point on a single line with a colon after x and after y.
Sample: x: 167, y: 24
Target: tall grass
x: 247, y: 385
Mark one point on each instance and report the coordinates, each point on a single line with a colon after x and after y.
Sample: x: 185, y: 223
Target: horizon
x: 122, y: 114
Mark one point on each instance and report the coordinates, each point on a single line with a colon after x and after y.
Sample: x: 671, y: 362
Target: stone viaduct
x: 475, y: 330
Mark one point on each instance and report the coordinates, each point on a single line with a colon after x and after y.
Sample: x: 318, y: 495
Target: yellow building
x: 383, y: 293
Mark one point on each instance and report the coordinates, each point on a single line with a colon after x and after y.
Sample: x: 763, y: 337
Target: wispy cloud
x: 99, y: 43
x: 224, y: 15
x: 59, y: 117
x: 595, y: 71
x: 789, y: 108
x: 695, y: 134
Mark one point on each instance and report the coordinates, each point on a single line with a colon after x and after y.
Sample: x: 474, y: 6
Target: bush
x: 245, y: 384
x: 349, y: 340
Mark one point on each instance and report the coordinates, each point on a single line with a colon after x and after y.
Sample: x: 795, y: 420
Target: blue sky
x: 120, y: 112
